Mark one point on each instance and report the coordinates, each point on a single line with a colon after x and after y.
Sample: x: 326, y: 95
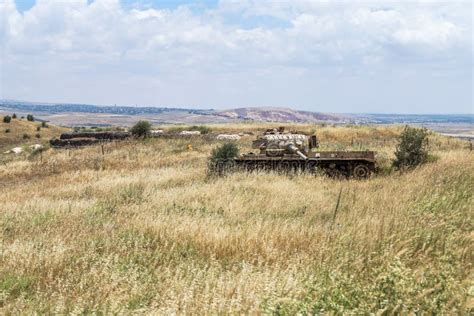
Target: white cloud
x: 164, y: 48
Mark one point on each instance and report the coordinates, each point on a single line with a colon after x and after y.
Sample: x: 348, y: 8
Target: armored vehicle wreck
x: 280, y: 150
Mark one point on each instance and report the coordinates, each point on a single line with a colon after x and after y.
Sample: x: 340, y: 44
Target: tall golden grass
x: 141, y: 228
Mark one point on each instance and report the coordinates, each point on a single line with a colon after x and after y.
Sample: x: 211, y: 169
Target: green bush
x: 141, y: 129
x: 222, y: 158
x: 38, y: 128
x: 14, y: 116
x: 412, y: 148
x: 30, y: 117
x: 44, y: 125
x: 201, y: 128
x: 7, y: 119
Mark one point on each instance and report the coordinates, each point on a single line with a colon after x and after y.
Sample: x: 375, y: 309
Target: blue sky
x: 331, y: 56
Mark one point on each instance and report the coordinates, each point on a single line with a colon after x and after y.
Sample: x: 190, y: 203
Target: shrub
x: 7, y: 130
x: 7, y: 119
x: 14, y: 116
x: 44, y: 125
x: 26, y: 136
x: 30, y: 117
x: 222, y: 158
x: 201, y: 128
x: 38, y: 128
x: 412, y: 148
x: 141, y: 129
x: 38, y: 135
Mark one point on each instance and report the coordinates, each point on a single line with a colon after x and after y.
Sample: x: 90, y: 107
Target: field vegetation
x: 13, y: 133
x: 140, y: 227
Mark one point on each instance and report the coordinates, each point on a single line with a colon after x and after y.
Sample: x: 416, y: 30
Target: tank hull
x: 358, y: 164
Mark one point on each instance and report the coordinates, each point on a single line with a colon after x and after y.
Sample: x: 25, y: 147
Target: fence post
x: 337, y: 207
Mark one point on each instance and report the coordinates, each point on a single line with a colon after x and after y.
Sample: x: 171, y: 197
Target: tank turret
x: 277, y: 143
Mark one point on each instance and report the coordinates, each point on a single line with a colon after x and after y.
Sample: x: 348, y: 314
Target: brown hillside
x: 19, y: 127
x: 271, y: 114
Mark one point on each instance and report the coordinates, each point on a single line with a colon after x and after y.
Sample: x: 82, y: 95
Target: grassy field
x: 141, y: 228
x: 12, y: 134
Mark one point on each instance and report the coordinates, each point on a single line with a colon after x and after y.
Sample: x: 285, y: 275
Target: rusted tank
x: 280, y: 150
x: 78, y: 139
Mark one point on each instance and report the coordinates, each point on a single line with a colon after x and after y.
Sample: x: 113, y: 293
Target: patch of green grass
x: 14, y: 285
x: 43, y: 219
x: 132, y: 194
x: 140, y: 301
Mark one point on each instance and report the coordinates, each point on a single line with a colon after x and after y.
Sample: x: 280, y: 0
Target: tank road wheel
x: 261, y: 165
x: 295, y: 166
x: 249, y: 165
x: 361, y: 171
x: 284, y: 166
x: 310, y: 166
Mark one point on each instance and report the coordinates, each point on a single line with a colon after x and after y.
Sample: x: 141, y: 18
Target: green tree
x: 412, y: 148
x: 222, y: 158
x: 14, y: 116
x: 141, y: 129
x: 7, y: 119
x: 30, y: 117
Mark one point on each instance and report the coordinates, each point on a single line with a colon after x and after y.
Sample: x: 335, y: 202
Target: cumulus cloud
x: 83, y: 44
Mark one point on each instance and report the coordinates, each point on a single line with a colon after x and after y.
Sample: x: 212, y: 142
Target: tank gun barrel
x: 295, y: 150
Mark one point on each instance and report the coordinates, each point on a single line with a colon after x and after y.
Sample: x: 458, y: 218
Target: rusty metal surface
x: 293, y: 151
x: 96, y: 135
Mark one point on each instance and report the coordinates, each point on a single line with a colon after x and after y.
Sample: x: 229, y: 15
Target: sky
x: 371, y: 56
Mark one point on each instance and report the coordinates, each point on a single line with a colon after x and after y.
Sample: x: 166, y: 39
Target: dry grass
x: 143, y: 229
x: 18, y: 127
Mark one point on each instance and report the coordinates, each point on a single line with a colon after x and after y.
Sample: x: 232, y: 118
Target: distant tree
x: 14, y: 116
x: 44, y: 125
x: 141, y: 129
x: 412, y: 148
x: 30, y: 117
x: 7, y: 119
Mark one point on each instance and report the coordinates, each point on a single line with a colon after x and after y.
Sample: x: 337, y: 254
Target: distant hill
x: 88, y: 108
x: 278, y: 115
x: 94, y: 115
x: 80, y: 114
